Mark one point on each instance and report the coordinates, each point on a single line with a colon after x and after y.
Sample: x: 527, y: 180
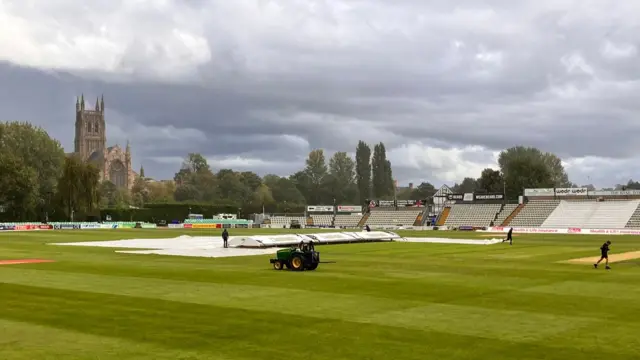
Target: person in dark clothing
x: 604, y: 255
x: 509, y: 237
x: 367, y: 228
x: 225, y: 237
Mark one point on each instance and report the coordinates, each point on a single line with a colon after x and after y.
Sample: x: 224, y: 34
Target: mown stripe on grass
x: 397, y: 289
x: 235, y: 333
x: 552, y: 303
x: 368, y: 309
x: 602, y: 290
x: 482, y: 322
x: 25, y: 341
x: 249, y: 297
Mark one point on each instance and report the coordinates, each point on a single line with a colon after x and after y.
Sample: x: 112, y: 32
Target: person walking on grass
x: 225, y: 237
x: 509, y: 237
x: 604, y: 255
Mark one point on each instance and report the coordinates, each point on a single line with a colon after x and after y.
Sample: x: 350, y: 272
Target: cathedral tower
x: 91, y: 145
x: 91, y: 134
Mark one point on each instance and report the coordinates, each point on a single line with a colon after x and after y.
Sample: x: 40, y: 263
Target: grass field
x: 377, y: 301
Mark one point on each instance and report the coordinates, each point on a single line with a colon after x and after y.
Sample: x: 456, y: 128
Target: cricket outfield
x: 391, y: 300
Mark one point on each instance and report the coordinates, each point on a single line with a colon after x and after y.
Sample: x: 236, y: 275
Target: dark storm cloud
x: 254, y: 80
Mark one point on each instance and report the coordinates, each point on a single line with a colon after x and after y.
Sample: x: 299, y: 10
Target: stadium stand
x: 322, y: 219
x: 404, y: 217
x: 534, y: 213
x: 504, y: 214
x: 634, y: 221
x: 472, y: 214
x: 590, y: 214
x: 347, y: 220
x: 280, y: 221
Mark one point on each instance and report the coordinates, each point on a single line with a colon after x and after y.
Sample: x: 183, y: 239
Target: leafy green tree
x: 284, y: 190
x: 34, y: 148
x: 140, y: 191
x: 490, y: 181
x: 161, y: 191
x: 195, y: 181
x: 363, y: 171
x: 312, y: 181
x: 468, y: 185
x: 250, y: 180
x: 382, y: 177
x: 231, y: 187
x: 558, y: 174
x: 424, y: 191
x: 527, y: 167
x: 107, y: 191
x: 78, y: 188
x: 18, y: 187
x: 341, y: 182
x: 630, y: 185
x: 263, y: 197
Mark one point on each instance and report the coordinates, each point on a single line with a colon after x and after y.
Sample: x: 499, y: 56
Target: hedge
x: 180, y: 211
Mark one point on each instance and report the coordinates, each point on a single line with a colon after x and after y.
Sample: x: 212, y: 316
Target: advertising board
x: 349, y: 208
x: 66, y: 226
x: 489, y: 196
x: 319, y: 208
x: 571, y: 191
x: 204, y: 226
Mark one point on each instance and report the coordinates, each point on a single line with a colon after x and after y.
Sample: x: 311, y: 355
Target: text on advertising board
x: 349, y: 208
x: 319, y: 208
x: 489, y: 196
x: 455, y: 197
x: 385, y: 203
x: 571, y: 191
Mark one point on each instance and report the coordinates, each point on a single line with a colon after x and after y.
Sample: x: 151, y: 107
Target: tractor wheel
x: 312, y: 266
x: 277, y: 265
x: 297, y: 263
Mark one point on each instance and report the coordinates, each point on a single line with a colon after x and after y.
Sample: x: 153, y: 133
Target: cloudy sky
x: 256, y: 84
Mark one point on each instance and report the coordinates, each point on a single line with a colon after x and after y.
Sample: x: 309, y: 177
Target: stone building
x: 91, y: 145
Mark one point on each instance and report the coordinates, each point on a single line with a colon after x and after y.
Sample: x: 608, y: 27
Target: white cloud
x: 614, y: 51
x: 149, y: 38
x: 442, y: 165
x: 443, y: 84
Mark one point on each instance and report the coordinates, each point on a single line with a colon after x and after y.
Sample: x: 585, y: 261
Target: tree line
x: 37, y: 180
x: 340, y: 180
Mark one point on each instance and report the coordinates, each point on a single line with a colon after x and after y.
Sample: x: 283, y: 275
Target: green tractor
x: 300, y: 258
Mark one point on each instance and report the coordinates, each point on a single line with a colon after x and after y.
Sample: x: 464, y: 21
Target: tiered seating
x: 322, y: 219
x: 280, y: 221
x: 347, y: 220
x: 592, y: 214
x: 534, y: 213
x: 504, y: 214
x: 472, y: 214
x: 634, y: 221
x: 393, y: 217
